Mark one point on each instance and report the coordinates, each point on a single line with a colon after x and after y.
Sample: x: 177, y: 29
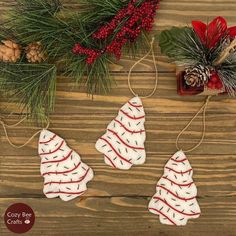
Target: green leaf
x: 168, y: 39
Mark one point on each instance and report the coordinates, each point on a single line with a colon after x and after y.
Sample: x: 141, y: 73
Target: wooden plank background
x: 116, y: 202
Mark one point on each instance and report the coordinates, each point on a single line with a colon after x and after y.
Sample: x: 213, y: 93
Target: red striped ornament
x: 175, y: 199
x: 65, y: 175
x: 123, y: 142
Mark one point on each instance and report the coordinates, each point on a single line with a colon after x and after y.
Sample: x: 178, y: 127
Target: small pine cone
x: 34, y: 53
x: 9, y: 51
x: 196, y: 76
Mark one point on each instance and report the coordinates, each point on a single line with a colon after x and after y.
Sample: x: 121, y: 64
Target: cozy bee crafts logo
x: 19, y: 218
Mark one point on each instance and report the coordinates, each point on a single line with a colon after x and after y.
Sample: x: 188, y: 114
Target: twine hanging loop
x: 151, y: 51
x: 203, y: 110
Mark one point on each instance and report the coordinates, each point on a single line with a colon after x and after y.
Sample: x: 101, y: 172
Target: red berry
x: 219, y: 85
x: 210, y: 85
x: 215, y: 78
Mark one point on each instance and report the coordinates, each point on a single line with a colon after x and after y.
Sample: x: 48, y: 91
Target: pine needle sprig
x: 32, y: 86
x: 227, y: 73
x: 185, y: 47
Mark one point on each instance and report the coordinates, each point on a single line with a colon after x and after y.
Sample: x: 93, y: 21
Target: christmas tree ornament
x: 34, y: 53
x: 83, y: 44
x: 204, y: 55
x: 123, y: 144
x: 175, y: 199
x: 9, y: 51
x: 65, y: 175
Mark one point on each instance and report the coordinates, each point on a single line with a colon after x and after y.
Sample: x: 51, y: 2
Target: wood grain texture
x: 122, y: 216
x: 116, y: 202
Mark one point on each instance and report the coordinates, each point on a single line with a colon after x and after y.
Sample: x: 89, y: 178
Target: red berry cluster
x: 92, y: 54
x: 215, y: 81
x: 140, y: 17
x: 109, y: 28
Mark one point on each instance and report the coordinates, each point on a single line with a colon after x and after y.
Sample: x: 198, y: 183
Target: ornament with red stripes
x: 65, y: 175
x: 123, y: 142
x: 175, y: 199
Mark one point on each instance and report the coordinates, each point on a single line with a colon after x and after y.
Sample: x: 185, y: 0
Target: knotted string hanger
x: 203, y: 110
x: 151, y: 50
x: 6, y: 126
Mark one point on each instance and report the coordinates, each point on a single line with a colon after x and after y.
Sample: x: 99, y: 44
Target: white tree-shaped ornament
x: 123, y: 142
x: 65, y: 175
x: 175, y: 199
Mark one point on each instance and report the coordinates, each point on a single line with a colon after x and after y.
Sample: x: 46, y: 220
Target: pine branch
x: 59, y: 31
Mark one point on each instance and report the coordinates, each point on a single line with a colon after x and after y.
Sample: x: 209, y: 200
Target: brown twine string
x: 156, y: 71
x: 203, y: 110
x: 6, y: 126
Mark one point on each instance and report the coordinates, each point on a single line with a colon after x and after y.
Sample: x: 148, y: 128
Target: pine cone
x: 34, y: 53
x: 197, y: 76
x: 9, y: 51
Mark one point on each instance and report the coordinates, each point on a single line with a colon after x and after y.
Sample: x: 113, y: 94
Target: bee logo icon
x: 27, y: 222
